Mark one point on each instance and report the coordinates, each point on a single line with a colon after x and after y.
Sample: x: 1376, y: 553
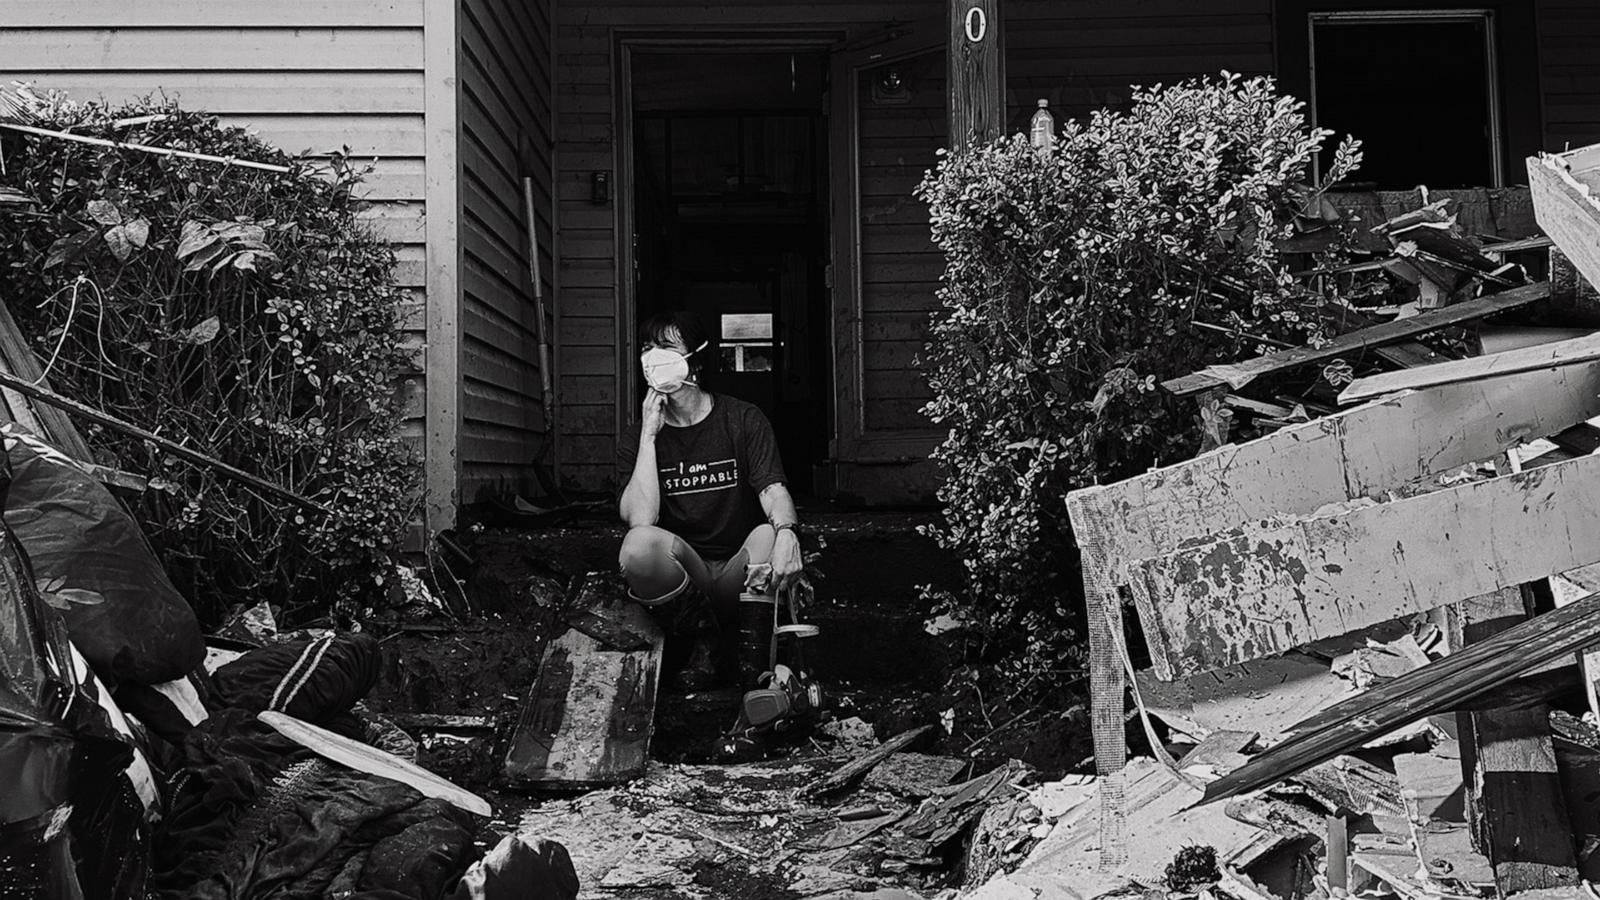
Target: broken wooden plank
x: 1520, y: 804
x: 845, y: 775
x: 1563, y: 188
x: 18, y: 359
x: 1356, y: 452
x: 1237, y: 375
x: 1437, y: 686
x: 1353, y: 453
x: 1477, y: 368
x: 604, y: 616
x: 440, y: 722
x: 367, y: 758
x: 1514, y: 800
x: 1270, y: 587
x: 1436, y: 802
x: 1162, y: 819
x: 589, y: 716
x: 1269, y: 695
x: 1579, y: 765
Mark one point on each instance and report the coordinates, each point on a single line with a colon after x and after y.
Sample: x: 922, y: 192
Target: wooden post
x: 976, y: 104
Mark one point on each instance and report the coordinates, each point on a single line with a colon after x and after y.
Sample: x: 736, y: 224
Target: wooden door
x: 887, y: 122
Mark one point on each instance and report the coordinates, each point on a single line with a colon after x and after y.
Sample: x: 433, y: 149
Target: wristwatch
x: 792, y: 526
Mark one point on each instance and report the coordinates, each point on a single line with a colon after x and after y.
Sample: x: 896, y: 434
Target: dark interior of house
x: 730, y: 198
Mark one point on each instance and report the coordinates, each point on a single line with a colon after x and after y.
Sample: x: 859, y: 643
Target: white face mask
x: 666, y: 370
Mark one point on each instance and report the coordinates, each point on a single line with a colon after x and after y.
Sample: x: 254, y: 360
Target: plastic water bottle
x: 1042, y: 131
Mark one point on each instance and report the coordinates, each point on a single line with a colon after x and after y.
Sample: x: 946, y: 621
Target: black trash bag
x: 255, y: 815
x: 315, y: 680
x: 123, y: 612
x: 59, y: 756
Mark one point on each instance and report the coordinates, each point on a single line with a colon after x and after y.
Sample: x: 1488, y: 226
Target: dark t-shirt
x: 711, y: 474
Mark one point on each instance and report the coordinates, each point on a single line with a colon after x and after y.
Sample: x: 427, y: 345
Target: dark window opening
x: 1418, y: 89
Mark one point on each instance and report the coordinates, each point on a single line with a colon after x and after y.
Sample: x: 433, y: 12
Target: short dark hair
x: 691, y: 330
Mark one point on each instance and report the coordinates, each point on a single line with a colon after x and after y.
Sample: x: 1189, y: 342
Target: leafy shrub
x: 246, y: 314
x: 1074, y: 282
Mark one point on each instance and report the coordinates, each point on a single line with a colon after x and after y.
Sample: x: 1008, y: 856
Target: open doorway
x: 729, y: 196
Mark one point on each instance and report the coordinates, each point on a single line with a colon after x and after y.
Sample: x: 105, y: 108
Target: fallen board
x: 1563, y: 188
x: 1472, y: 672
x: 1237, y: 375
x: 1272, y: 586
x: 1559, y: 354
x: 588, y: 719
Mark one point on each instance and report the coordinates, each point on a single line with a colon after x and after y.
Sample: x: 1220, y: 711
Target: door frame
x: 850, y: 442
x: 686, y: 39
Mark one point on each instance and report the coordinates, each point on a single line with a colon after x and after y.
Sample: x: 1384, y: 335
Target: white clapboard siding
x: 506, y: 128
x: 306, y: 75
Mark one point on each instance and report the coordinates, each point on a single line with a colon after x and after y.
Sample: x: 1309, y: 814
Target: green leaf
x: 204, y: 333
x: 138, y: 231
x: 194, y: 238
x: 203, y: 257
x: 105, y: 212
x: 69, y: 248
x: 117, y: 240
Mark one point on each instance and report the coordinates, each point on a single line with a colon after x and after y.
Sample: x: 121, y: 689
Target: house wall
x: 305, y: 74
x: 1568, y: 33
x: 1078, y: 53
x: 507, y: 133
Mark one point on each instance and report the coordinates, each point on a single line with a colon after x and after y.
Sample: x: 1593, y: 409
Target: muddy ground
x: 874, y: 656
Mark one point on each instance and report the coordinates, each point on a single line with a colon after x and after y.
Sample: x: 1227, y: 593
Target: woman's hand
x: 653, y: 415
x: 786, y: 556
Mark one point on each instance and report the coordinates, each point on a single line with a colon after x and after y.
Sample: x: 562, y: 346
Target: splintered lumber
x: 1163, y: 818
x: 1353, y: 453
x: 589, y: 716
x: 1294, y: 471
x: 373, y: 761
x: 1265, y: 695
x: 1542, y: 356
x: 1436, y: 687
x: 1272, y: 586
x: 845, y: 775
x: 17, y: 358
x: 1515, y: 801
x: 1237, y: 375
x: 1563, y: 187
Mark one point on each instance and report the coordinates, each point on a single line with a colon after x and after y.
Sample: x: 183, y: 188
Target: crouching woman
x: 705, y: 500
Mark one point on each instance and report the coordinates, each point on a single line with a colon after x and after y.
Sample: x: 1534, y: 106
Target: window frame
x: 1516, y: 62
x: 1443, y: 15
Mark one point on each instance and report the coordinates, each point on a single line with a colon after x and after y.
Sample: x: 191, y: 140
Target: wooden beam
x: 1275, y: 585
x: 1563, y: 188
x: 18, y: 359
x: 589, y: 716
x: 975, y: 106
x: 442, y: 204
x: 1514, y: 798
x: 1237, y: 375
x: 1477, y: 368
x: 1357, y: 452
x: 1436, y: 687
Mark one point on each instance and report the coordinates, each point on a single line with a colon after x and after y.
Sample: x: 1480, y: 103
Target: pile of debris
x: 1366, y: 629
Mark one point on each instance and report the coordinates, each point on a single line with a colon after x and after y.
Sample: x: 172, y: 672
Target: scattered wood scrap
x: 1237, y: 375
x: 847, y: 774
x: 1433, y: 688
x: 589, y: 716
